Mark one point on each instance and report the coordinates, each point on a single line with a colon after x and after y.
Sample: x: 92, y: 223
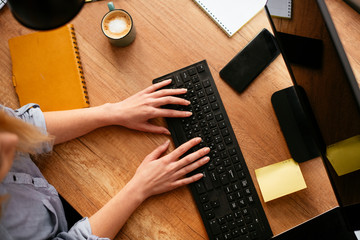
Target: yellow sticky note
x: 280, y: 179
x: 344, y: 156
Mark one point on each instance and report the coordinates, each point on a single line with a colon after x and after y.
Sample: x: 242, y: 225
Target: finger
x: 170, y: 113
x: 170, y: 100
x: 187, y: 180
x: 192, y: 157
x: 182, y: 149
x: 191, y: 167
x: 157, y: 86
x: 148, y: 127
x: 158, y: 151
x: 168, y: 92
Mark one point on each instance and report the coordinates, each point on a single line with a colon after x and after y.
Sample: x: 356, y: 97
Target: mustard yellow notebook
x: 47, y: 69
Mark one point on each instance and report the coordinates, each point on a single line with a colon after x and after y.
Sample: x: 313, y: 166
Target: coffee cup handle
x: 111, y: 6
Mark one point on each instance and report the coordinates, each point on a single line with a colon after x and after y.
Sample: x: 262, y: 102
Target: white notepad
x: 231, y: 15
x: 280, y: 8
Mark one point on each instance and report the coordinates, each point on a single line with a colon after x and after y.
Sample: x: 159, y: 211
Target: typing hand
x: 158, y: 174
x: 136, y: 111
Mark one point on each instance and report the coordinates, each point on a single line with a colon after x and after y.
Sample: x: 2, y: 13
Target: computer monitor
x: 325, y: 90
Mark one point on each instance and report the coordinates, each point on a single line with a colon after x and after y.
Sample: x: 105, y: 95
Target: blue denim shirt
x: 33, y: 209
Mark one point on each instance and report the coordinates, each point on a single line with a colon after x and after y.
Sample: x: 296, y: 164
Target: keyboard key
x: 209, y: 116
x: 215, y: 228
x: 206, y: 206
x: 209, y: 90
x: 206, y: 108
x: 232, y: 174
x: 206, y: 83
x: 222, y: 125
x: 225, y: 132
x: 215, y: 204
x: 229, y: 217
x: 178, y: 80
x: 215, y: 180
x: 227, y: 236
x: 201, y: 93
x: 189, y: 85
x: 212, y: 98
x: 185, y: 76
x: 222, y: 220
x: 232, y: 151
x: 244, y: 183
x: 235, y: 159
x: 238, y: 167
x: 203, y: 101
x: 219, y: 117
x: 233, y: 205
x: 212, y: 124
x: 204, y: 198
x: 200, y: 187
x: 217, y: 139
x: 200, y: 68
x: 207, y: 181
x: 228, y: 140
x: 192, y: 71
x: 210, y: 215
x: 224, y: 228
x: 224, y: 179
x: 215, y: 106
x: 195, y: 79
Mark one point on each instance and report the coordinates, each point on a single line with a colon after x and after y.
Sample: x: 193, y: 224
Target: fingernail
x: 198, y: 139
x: 188, y: 114
x: 206, y: 150
x: 168, y: 80
x: 206, y: 159
x: 187, y: 102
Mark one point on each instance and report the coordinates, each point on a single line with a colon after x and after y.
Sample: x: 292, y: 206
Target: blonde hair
x: 30, y: 137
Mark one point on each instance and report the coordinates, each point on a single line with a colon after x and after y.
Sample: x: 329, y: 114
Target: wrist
x: 136, y: 191
x: 111, y: 114
x: 105, y: 113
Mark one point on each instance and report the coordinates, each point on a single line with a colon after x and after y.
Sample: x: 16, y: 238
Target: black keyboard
x: 225, y: 197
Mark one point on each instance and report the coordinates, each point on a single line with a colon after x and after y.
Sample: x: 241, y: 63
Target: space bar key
x: 177, y: 133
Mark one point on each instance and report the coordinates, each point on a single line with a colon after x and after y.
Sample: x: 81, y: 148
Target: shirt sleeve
x: 80, y: 231
x: 31, y: 113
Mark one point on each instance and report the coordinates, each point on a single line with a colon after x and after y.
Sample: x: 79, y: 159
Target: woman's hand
x: 136, y: 111
x: 155, y: 175
x: 158, y: 174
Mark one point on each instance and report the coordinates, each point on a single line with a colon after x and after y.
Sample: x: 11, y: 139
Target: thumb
x: 148, y: 127
x: 158, y: 151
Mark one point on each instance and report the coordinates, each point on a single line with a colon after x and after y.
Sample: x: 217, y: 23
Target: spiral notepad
x: 47, y: 69
x: 280, y: 8
x: 231, y: 15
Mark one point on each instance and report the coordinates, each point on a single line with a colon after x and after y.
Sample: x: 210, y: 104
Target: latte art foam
x: 117, y: 24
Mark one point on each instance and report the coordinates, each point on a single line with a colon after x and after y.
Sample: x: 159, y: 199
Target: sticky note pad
x: 344, y: 156
x: 280, y: 179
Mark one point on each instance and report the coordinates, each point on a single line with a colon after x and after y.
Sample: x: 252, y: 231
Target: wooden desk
x: 170, y: 35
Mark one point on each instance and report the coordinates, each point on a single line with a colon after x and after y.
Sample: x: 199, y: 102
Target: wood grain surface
x: 172, y: 34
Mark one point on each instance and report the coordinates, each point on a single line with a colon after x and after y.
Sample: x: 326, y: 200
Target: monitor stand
x: 291, y: 109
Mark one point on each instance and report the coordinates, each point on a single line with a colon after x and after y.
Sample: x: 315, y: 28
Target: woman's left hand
x: 136, y: 111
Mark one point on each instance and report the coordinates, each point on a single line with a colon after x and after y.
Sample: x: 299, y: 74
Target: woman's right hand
x: 158, y: 174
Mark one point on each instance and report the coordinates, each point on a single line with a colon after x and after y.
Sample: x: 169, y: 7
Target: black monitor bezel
x: 334, y: 37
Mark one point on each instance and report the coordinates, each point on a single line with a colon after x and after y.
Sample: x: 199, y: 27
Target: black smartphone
x: 250, y: 61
